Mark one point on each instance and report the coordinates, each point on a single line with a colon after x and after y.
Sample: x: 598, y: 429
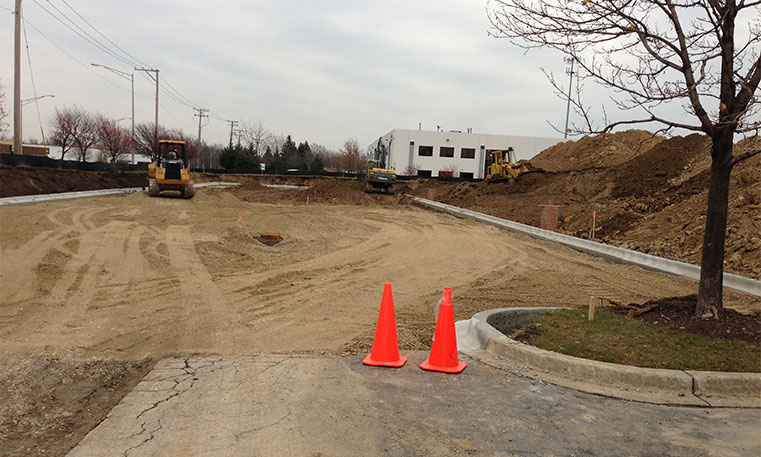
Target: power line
x: 104, y: 36
x: 92, y: 42
x: 122, y: 55
x: 87, y: 67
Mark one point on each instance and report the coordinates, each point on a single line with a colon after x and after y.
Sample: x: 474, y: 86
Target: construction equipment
x: 503, y: 167
x: 379, y: 178
x: 170, y: 172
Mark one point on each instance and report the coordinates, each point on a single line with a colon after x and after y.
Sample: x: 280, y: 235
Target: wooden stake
x: 593, y: 301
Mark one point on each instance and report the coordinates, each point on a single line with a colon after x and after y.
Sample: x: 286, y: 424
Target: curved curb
x: 649, y: 385
x: 612, y: 253
x: 65, y: 196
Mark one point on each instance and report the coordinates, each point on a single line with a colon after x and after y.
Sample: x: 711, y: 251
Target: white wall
x: 525, y: 148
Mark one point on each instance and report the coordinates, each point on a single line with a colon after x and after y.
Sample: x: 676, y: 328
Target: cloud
x: 320, y: 71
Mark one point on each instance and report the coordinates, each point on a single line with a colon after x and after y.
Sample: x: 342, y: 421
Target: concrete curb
x: 44, y: 198
x: 65, y: 196
x: 649, y: 385
x: 216, y: 184
x: 612, y: 253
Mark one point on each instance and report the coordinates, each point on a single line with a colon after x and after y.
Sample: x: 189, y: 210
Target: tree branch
x: 741, y: 157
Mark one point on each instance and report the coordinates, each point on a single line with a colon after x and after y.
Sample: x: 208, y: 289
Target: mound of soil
x: 18, y: 181
x: 600, y: 151
x: 678, y: 313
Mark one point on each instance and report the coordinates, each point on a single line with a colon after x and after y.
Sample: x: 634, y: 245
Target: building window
x: 468, y: 153
x: 446, y: 151
x: 424, y: 173
x: 426, y: 151
x: 466, y: 175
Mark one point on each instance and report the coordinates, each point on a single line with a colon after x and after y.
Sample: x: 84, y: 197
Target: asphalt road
x: 335, y: 406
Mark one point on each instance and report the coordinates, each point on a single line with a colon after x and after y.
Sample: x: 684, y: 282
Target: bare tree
x: 84, y: 132
x: 329, y: 157
x: 146, y: 141
x: 4, y: 113
x: 654, y: 54
x: 256, y: 135
x: 64, y: 123
x: 113, y: 140
x: 351, y: 159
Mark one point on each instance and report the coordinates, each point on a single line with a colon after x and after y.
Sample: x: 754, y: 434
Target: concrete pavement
x: 328, y: 405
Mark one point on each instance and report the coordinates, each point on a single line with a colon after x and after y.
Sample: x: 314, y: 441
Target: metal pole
x: 156, y: 122
x: 17, y: 146
x: 568, y: 104
x: 132, y: 78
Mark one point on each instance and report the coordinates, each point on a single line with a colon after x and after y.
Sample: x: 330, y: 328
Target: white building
x: 430, y: 152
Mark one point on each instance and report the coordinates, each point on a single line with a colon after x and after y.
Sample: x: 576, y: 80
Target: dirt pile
x: 17, y: 181
x: 654, y: 202
x: 600, y: 151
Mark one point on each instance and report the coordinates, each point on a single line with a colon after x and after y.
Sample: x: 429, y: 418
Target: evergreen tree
x: 317, y: 165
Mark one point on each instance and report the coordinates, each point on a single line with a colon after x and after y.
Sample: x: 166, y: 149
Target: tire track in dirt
x: 151, y: 277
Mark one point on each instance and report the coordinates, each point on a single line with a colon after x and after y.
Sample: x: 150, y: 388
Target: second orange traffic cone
x: 385, y: 345
x: 443, y: 356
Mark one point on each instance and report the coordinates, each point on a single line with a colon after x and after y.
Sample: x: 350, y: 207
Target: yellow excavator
x: 170, y: 172
x: 503, y: 167
x: 378, y: 176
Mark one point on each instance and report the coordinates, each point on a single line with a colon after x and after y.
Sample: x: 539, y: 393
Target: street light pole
x: 131, y: 77
x: 17, y: 147
x: 30, y: 100
x: 568, y: 104
x: 156, y: 121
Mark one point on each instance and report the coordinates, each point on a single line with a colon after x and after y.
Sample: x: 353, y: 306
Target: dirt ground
x: 126, y: 280
x: 93, y: 291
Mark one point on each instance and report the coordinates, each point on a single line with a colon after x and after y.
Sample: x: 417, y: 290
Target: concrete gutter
x: 64, y: 196
x: 478, y: 338
x: 285, y: 187
x: 216, y: 184
x: 612, y: 253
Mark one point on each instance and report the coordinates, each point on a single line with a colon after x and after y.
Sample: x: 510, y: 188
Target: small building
x: 452, y: 153
x: 6, y: 147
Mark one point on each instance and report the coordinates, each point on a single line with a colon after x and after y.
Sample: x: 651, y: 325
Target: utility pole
x: 131, y: 78
x: 201, y: 115
x: 232, y: 125
x: 568, y: 105
x: 17, y: 147
x: 156, y: 122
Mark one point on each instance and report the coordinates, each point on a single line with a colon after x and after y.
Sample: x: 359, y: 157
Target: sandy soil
x: 133, y: 278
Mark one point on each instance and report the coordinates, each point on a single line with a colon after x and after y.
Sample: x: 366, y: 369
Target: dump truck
x: 170, y: 172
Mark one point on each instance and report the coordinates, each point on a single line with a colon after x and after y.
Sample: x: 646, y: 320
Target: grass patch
x: 616, y: 338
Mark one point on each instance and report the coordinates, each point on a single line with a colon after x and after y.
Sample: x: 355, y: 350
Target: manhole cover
x: 270, y: 239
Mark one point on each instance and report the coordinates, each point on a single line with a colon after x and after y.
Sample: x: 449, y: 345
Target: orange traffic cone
x: 385, y: 346
x: 444, y: 350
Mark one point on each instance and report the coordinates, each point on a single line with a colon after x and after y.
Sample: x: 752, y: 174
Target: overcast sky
x: 322, y: 71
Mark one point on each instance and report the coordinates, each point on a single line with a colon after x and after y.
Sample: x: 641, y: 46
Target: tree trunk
x: 710, y: 303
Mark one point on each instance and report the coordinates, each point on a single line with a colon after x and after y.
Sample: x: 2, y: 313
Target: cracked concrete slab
x: 328, y: 405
